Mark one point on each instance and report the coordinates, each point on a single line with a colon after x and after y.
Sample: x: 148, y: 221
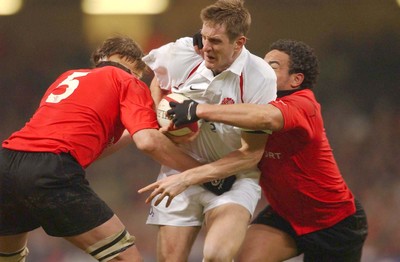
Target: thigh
x: 185, y: 210
x: 245, y: 192
x: 175, y: 242
x: 57, y: 194
x: 15, y: 217
x: 269, y: 238
x: 267, y: 244
x: 226, y: 227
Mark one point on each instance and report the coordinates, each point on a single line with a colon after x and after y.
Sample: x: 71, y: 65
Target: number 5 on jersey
x: 71, y: 84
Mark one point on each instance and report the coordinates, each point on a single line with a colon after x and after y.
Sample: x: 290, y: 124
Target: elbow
x: 272, y: 119
x: 256, y: 156
x: 146, y: 147
x: 253, y: 157
x: 147, y: 141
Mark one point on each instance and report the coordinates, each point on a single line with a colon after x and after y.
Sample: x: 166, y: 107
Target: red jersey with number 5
x: 300, y: 177
x: 84, y: 111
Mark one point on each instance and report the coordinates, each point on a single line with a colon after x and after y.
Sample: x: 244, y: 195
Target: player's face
x: 219, y: 52
x: 279, y: 61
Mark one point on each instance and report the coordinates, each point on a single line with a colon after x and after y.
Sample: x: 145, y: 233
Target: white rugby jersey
x: 248, y: 80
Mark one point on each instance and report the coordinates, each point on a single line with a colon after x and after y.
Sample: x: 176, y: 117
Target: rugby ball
x: 166, y: 121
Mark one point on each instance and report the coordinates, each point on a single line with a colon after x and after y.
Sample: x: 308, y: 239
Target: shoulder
x: 259, y: 68
x: 303, y: 100
x: 173, y: 62
x: 186, y: 42
x: 303, y: 96
x: 182, y: 46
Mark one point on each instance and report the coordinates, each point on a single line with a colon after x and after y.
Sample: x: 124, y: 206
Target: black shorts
x: 47, y: 190
x: 341, y: 242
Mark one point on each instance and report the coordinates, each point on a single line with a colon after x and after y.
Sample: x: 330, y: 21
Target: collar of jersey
x: 282, y: 93
x: 115, y: 64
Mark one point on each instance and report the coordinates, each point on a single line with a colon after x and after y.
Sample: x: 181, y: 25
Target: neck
x: 282, y: 93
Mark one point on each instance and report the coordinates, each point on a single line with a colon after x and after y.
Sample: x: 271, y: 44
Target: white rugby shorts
x: 189, y: 207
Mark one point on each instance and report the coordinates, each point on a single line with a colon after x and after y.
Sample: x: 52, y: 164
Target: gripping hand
x: 184, y: 113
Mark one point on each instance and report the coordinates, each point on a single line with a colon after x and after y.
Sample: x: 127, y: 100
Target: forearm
x: 233, y: 163
x: 122, y: 142
x: 153, y: 143
x: 172, y: 156
x: 248, y: 116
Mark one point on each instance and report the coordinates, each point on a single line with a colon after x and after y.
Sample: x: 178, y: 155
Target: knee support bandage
x: 110, y: 247
x: 15, y: 257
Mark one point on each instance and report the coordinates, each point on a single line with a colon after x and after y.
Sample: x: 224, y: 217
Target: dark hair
x: 230, y: 13
x: 123, y: 46
x: 302, y: 59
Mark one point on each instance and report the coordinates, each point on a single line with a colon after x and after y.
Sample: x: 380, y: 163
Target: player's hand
x: 164, y: 129
x: 198, y: 43
x: 169, y: 186
x: 183, y: 113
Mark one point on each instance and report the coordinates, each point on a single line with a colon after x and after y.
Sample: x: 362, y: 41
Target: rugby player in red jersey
x: 42, y: 166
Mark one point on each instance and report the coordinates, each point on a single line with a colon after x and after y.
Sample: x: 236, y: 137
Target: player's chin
x: 209, y: 62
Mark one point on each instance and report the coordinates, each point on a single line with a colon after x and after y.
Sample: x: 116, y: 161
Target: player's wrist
x: 199, y: 110
x: 203, y: 111
x: 186, y: 181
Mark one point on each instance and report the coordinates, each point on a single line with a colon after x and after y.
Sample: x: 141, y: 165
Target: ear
x: 240, y: 42
x: 296, y: 80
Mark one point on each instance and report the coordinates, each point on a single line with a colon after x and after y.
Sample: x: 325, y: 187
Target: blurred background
x: 358, y: 44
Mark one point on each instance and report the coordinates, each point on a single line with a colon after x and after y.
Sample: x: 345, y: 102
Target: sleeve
x: 137, y: 107
x: 173, y: 62
x: 298, y: 113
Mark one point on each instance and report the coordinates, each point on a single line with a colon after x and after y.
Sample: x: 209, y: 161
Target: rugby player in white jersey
x: 226, y: 74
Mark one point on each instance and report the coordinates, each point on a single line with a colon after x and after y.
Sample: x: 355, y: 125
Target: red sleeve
x: 137, y: 104
x: 298, y: 113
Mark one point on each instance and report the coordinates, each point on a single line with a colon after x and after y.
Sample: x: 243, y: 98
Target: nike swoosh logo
x: 191, y: 88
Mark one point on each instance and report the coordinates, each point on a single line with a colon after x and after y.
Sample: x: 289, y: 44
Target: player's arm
x: 248, y: 116
x: 155, y: 144
x: 245, y: 158
x: 156, y: 92
x: 121, y: 143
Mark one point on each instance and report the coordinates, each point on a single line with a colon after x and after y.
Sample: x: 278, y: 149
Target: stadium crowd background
x: 358, y: 44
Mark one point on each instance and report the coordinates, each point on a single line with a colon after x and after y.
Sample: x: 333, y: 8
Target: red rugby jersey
x: 84, y: 111
x: 300, y: 177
